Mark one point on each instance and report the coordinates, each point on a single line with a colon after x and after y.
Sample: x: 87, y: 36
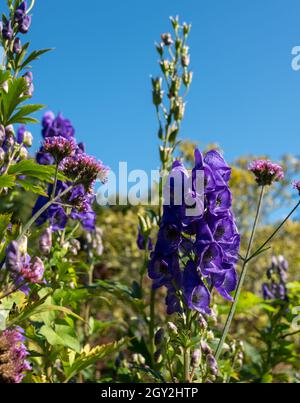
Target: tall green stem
x: 242, y: 277
x: 275, y: 232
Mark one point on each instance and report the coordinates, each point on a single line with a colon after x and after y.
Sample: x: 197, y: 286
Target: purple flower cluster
x: 266, y: 172
x: 13, y: 353
x: 207, y: 243
x: 275, y: 288
x: 23, y: 270
x: 60, y: 147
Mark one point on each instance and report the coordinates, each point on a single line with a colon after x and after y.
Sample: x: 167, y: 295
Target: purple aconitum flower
x: 22, y: 19
x: 59, y: 147
x: 20, y: 12
x: 296, y: 185
x: 17, y: 47
x: 29, y: 79
x: 266, y: 172
x: 25, y: 24
x: 209, y: 241
x: 143, y: 243
x: 57, y: 126
x: 7, y: 31
x: 13, y: 353
x: 275, y: 288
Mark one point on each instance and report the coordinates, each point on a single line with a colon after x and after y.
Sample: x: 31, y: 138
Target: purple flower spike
x: 266, y: 172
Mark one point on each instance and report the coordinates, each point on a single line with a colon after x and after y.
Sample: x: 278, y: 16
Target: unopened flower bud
x: 23, y: 153
x: 160, y: 49
x: 205, y: 348
x: 2, y: 135
x: 10, y: 131
x: 17, y: 48
x: 23, y: 245
x: 212, y: 365
x: 2, y: 155
x: 27, y: 139
x: 159, y: 336
x: 186, y: 29
x: 185, y: 60
x: 167, y: 39
x: 45, y: 241
x: 187, y: 78
x: 178, y: 44
x: 196, y: 358
x: 74, y: 247
x: 158, y: 356
x: 202, y: 322
x: 165, y: 66
x: 179, y: 109
x: 173, y: 328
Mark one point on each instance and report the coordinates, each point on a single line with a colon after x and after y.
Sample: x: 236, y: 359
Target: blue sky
x: 245, y: 95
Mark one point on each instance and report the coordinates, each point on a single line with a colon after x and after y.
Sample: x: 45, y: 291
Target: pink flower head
x: 33, y: 271
x: 85, y: 169
x: 296, y: 186
x: 266, y: 172
x: 13, y: 353
x: 59, y: 147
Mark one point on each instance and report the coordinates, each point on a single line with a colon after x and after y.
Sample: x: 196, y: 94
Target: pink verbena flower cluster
x: 13, y: 353
x: 59, y: 147
x: 85, y: 169
x: 296, y: 185
x: 266, y: 172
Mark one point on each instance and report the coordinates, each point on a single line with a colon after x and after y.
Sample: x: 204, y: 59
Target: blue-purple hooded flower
x: 207, y: 244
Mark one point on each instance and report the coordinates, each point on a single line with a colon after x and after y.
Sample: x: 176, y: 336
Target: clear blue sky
x: 245, y: 96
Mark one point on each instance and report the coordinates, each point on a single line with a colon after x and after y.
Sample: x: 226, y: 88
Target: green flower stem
x: 55, y: 181
x: 242, y: 277
x: 274, y: 233
x: 152, y: 323
x: 41, y: 211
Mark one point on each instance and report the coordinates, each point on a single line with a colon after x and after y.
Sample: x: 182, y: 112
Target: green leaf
x: 29, y: 186
x: 35, y: 170
x: 7, y: 181
x: 13, y: 98
x: 89, y: 357
x: 34, y: 56
x: 62, y: 336
x: 4, y: 222
x: 22, y: 115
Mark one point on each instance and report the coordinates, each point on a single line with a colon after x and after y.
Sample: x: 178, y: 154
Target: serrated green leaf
x: 7, y: 181
x: 34, y: 56
x: 22, y: 114
x: 12, y: 98
x: 88, y: 358
x: 29, y: 186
